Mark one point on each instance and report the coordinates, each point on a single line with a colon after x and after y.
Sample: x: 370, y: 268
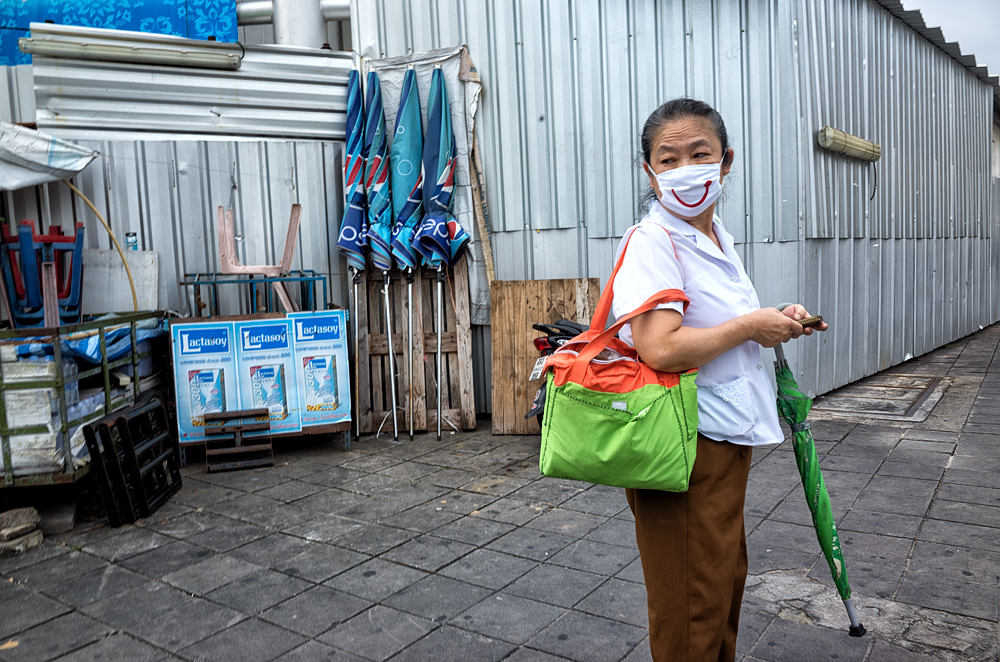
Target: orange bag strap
x: 597, y: 345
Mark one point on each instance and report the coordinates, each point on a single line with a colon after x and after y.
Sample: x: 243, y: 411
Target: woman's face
x: 683, y: 142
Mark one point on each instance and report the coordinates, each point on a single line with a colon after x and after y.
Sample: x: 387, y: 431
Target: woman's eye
x: 701, y: 155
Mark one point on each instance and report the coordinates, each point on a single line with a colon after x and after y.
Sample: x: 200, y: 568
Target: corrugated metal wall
x: 568, y: 85
x: 167, y: 193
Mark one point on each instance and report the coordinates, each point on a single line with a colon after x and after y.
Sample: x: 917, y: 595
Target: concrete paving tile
x: 563, y: 587
x: 588, y: 638
x: 763, y: 496
x: 764, y: 556
x: 508, y: 617
x: 986, y: 464
x: 331, y: 501
x: 282, y: 517
x: 116, y: 648
x: 886, y: 524
x: 783, y: 534
x: 926, y: 457
x: 372, y: 463
x: 188, y: 524
x: 249, y: 641
x: 374, y: 539
x: 899, y: 485
x: 250, y: 480
x: 886, y: 652
x: 525, y: 654
x: 931, y: 436
x: 473, y: 531
x: 862, y: 465
x: 449, y: 477
x: 977, y: 450
x: 969, y: 494
x: 476, y: 445
x: 596, y: 557
x: 979, y: 439
x: 964, y: 535
x: 92, y: 587
x: 959, y: 563
x: 794, y: 510
x: 874, y: 563
x: 320, y: 562
x: 373, y: 484
x: 421, y: 519
x: 253, y: 593
x: 117, y: 544
x: 437, y: 598
x: 175, y: 629
x: 531, y: 543
x: 275, y: 548
x: 498, y: 486
x: 54, y: 638
x: 314, y: 651
x: 199, y: 495
x: 974, y: 478
x: 378, y: 633
x: 325, y: 528
x: 295, y: 467
x: 428, y: 552
x: 931, y: 589
x: 785, y: 641
x: 567, y: 522
x: 210, y: 574
x: 615, y: 532
x: 331, y: 476
x: 315, y: 611
x: 831, y: 430
x: 450, y: 644
x: 134, y: 605
x: 375, y: 579
x: 875, y: 435
x: 632, y: 572
x: 641, y: 653
x: 166, y: 559
x: 409, y: 470
x: 618, y: 600
x: 599, y: 500
x: 374, y: 510
x: 966, y: 513
x: 24, y: 609
x: 50, y: 574
x: 51, y: 547
x: 487, y: 568
x: 928, y: 446
x: 912, y: 470
x: 463, y: 503
x: 898, y: 503
x: 753, y: 623
x: 551, y: 491
x: 509, y: 511
x: 860, y: 449
x: 242, y: 506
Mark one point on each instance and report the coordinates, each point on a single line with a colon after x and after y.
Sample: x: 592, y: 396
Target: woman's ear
x: 727, y: 162
x: 655, y: 185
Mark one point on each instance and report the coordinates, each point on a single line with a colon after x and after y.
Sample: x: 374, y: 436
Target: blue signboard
x: 266, y: 368
x: 204, y: 374
x: 194, y: 19
x: 320, y: 344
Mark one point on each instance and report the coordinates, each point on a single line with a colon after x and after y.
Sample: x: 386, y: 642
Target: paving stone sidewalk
x: 459, y: 550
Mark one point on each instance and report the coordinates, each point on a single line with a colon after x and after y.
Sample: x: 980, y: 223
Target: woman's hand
x: 769, y: 327
x: 798, y: 312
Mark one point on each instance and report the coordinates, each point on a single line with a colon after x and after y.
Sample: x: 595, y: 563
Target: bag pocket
x: 724, y: 409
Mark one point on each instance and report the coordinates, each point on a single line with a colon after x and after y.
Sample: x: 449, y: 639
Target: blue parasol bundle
x: 354, y: 227
x: 377, y: 178
x: 406, y: 163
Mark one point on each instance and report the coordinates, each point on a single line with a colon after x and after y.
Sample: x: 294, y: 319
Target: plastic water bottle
x: 131, y: 241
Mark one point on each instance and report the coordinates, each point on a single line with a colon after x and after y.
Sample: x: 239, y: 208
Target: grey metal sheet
x: 278, y: 91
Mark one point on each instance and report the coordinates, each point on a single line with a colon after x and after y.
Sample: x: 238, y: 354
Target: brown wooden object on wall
x: 457, y: 395
x: 515, y: 306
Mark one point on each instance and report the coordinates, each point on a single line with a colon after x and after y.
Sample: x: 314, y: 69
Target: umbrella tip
x: 857, y: 630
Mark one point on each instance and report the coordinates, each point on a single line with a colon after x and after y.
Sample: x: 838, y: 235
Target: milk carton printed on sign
x: 268, y: 386
x: 321, y: 383
x: 207, y: 391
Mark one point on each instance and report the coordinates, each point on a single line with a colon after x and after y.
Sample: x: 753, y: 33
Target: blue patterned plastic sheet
x: 194, y: 19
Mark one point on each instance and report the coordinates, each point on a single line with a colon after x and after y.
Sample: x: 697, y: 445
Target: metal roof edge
x: 914, y: 19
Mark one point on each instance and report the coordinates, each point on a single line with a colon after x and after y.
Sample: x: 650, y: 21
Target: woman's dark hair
x: 681, y: 108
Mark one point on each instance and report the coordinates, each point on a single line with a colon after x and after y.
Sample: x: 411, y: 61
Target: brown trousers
x: 694, y: 557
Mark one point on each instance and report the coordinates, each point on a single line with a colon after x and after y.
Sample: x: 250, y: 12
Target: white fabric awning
x: 30, y: 157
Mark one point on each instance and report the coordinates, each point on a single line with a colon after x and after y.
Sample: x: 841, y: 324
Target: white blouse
x: 736, y: 402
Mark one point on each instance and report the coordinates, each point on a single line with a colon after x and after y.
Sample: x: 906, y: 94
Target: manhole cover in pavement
x: 885, y: 397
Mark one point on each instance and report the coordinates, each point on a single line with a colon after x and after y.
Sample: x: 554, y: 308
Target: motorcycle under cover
x: 610, y: 418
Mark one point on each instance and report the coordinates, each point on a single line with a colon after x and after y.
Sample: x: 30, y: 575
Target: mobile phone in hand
x: 811, y: 321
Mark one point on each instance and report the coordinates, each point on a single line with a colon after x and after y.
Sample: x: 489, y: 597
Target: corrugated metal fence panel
x: 863, y: 71
x: 278, y: 91
x: 167, y: 193
x: 17, y: 98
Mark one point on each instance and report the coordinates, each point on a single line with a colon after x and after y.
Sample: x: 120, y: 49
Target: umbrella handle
x: 779, y: 352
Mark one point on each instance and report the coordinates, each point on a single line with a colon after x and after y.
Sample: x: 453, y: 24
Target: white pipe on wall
x: 261, y: 12
x: 299, y: 23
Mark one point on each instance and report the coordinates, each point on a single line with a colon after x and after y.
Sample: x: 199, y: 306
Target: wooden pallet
x: 226, y: 447
x: 374, y: 398
x: 515, y: 306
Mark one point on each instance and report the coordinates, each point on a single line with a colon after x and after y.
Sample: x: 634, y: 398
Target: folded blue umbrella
x: 439, y: 239
x: 406, y: 163
x: 377, y: 178
x: 354, y: 227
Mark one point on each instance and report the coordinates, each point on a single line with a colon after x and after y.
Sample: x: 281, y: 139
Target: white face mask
x: 689, y: 190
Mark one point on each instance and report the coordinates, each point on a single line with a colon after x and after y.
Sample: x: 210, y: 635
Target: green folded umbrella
x: 794, y: 406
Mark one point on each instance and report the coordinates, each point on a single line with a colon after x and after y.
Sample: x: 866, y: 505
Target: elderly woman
x: 693, y: 544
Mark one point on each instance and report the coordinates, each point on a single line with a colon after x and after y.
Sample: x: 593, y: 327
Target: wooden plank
x: 450, y: 364
x: 419, y: 353
x: 375, y: 362
x: 463, y: 331
x: 429, y: 322
x: 536, y: 292
x: 363, y: 405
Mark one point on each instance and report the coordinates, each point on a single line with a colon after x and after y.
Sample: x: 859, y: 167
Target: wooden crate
x: 374, y: 397
x: 516, y: 305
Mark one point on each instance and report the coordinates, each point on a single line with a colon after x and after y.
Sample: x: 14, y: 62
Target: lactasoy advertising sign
x: 266, y: 365
x: 204, y: 375
x: 321, y: 366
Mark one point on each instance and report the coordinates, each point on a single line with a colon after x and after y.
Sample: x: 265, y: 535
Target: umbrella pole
x: 440, y: 325
x: 409, y: 354
x: 856, y: 629
x: 355, y: 279
x: 392, y: 354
